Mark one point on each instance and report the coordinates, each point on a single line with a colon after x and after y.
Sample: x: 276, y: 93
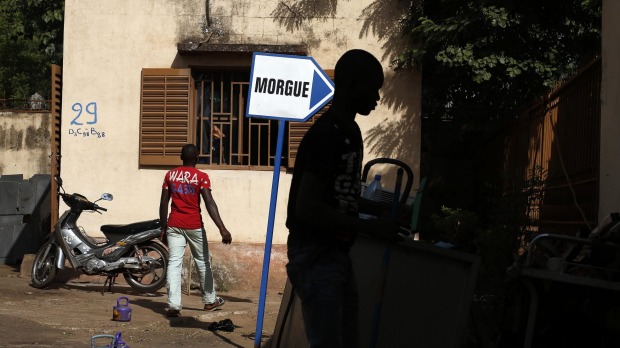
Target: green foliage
x: 499, y: 232
x: 455, y: 225
x: 31, y: 33
x: 515, y: 208
x: 484, y: 59
x: 483, y: 62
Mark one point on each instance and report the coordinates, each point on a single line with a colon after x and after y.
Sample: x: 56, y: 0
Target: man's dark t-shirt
x: 333, y: 152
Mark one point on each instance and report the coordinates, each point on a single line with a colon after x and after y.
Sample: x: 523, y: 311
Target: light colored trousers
x: 178, y: 238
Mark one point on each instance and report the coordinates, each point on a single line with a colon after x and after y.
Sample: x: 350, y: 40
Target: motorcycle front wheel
x: 44, y: 266
x: 151, y: 277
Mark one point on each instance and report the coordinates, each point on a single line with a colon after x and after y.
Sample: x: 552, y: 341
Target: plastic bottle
x: 374, y: 191
x: 118, y: 342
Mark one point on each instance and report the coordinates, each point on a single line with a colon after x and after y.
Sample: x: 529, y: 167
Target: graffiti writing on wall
x: 86, y: 132
x: 91, y: 111
x: 85, y: 115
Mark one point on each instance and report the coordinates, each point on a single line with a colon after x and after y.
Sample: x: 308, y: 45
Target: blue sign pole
x: 268, y: 240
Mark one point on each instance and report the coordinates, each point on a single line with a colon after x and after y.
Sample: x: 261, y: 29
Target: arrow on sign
x: 287, y: 87
x: 320, y: 91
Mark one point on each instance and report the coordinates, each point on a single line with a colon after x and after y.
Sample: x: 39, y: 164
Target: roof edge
x: 194, y: 48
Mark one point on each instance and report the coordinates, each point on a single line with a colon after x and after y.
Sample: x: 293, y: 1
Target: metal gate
x: 559, y: 137
x: 56, y: 100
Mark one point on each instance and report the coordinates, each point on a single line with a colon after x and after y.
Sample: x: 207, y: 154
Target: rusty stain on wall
x: 239, y: 266
x: 10, y: 138
x: 38, y: 138
x: 25, y: 143
x: 190, y: 25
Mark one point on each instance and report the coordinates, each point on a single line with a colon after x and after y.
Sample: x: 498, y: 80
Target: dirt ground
x: 68, y: 314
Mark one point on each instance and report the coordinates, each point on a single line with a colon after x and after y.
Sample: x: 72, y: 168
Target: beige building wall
x: 24, y: 143
x: 108, y: 42
x: 609, y: 200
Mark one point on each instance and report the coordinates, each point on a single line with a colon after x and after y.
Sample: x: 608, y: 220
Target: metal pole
x: 267, y: 255
x: 387, y: 255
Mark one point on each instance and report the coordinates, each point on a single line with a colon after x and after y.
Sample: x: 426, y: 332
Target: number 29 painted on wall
x: 90, y: 109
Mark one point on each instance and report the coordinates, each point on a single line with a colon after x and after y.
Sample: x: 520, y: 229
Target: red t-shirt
x: 185, y: 184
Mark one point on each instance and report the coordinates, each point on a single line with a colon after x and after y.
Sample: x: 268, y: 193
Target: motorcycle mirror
x: 107, y: 196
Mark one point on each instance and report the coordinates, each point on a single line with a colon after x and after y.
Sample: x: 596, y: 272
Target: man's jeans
x: 325, y: 283
x: 197, y: 240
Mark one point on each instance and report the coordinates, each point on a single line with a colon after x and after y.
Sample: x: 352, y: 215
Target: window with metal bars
x: 207, y: 108
x: 225, y: 137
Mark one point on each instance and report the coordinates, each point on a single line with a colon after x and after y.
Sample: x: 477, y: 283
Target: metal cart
x: 546, y: 266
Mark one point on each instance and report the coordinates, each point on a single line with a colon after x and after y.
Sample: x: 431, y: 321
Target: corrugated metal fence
x: 557, y: 140
x: 24, y: 215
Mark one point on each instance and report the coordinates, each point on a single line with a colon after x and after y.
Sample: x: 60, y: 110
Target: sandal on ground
x: 223, y: 325
x: 219, y: 302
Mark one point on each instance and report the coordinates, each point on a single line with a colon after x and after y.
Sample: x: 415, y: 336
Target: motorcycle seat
x: 132, y: 228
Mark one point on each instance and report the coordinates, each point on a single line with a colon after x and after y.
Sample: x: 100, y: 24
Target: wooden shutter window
x: 165, y: 115
x: 297, y: 130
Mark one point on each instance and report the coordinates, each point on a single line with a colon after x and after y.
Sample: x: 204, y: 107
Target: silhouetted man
x: 322, y: 214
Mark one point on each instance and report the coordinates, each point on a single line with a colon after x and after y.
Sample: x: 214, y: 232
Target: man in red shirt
x: 185, y: 185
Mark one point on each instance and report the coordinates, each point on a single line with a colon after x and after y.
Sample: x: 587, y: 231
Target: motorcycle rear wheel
x: 44, y: 266
x: 152, y: 278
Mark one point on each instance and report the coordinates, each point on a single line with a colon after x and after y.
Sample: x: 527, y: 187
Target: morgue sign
x: 287, y: 87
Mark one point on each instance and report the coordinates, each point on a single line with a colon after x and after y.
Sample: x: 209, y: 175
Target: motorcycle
x: 132, y: 250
